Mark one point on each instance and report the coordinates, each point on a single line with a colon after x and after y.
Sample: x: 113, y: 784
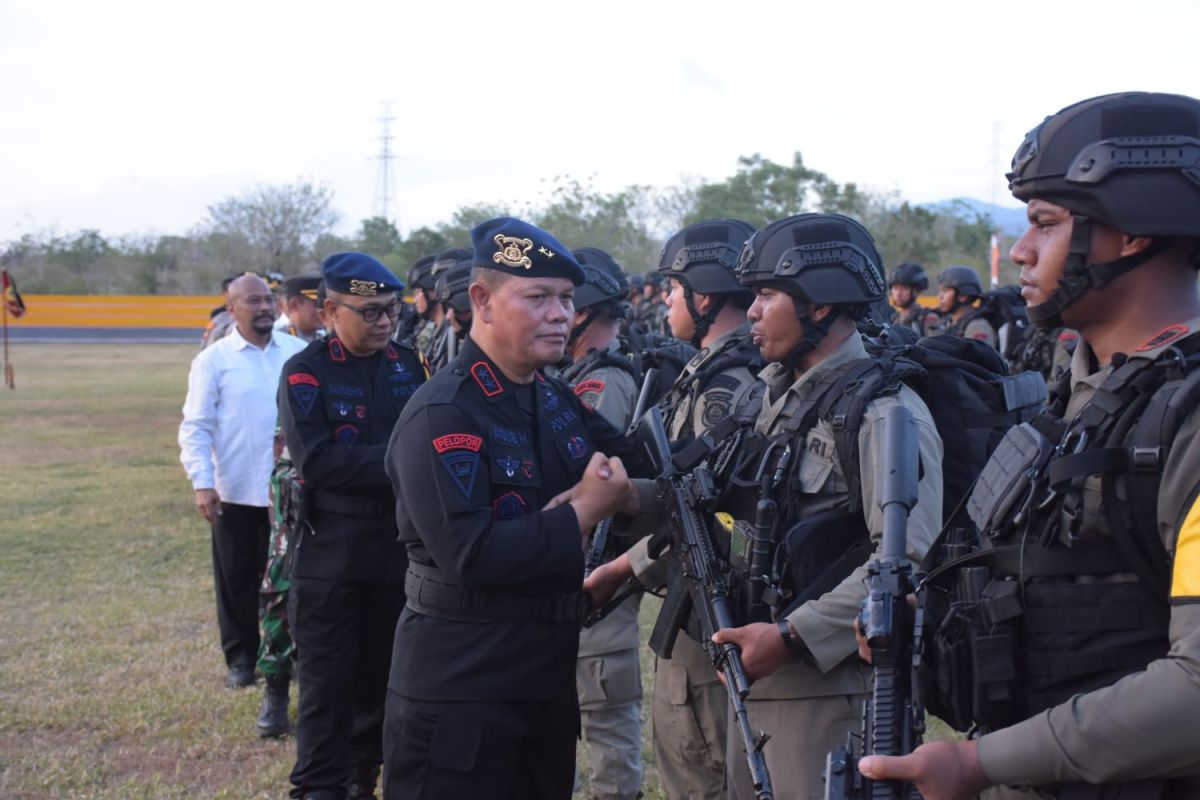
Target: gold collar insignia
x: 513, y: 251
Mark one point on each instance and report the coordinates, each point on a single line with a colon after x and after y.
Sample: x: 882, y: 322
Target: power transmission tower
x: 383, y: 178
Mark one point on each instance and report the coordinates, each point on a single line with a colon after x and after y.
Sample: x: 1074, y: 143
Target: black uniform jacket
x: 474, y: 459
x: 337, y: 411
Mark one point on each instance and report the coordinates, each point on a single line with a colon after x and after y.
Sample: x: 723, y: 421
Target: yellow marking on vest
x: 1186, y: 579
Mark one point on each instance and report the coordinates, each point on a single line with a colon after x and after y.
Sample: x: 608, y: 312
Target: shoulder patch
x: 716, y: 407
x: 461, y: 467
x: 481, y: 371
x: 981, y: 336
x: 304, y: 396
x: 303, y: 378
x: 458, y: 441
x: 590, y: 385
x: 336, y: 351
x: 1164, y: 337
x: 724, y: 381
x: 1185, y: 575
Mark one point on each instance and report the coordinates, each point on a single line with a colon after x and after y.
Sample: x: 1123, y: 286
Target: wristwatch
x: 794, y: 644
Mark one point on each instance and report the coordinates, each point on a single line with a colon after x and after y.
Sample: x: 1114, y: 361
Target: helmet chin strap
x: 578, y: 330
x: 1080, y: 276
x: 814, y: 332
x: 702, y: 322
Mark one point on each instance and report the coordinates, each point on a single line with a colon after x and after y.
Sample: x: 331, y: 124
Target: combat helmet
x: 603, y: 291
x: 703, y: 258
x: 1130, y: 161
x: 962, y: 279
x: 909, y: 274
x: 824, y: 259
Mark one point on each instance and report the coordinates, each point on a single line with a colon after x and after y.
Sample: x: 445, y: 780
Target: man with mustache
x: 226, y: 445
x: 482, y: 699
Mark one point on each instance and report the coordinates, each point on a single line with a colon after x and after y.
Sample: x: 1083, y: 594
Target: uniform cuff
x: 1023, y: 754
x: 826, y: 646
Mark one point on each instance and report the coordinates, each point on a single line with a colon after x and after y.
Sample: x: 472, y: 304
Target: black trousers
x: 240, y: 538
x: 478, y: 750
x: 343, y: 633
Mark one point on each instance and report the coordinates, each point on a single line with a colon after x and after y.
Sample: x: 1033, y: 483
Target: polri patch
x: 458, y: 441
x: 1164, y: 337
x: 461, y: 466
x: 481, y: 371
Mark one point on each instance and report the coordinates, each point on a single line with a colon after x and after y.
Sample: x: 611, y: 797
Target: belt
x: 351, y: 505
x: 429, y: 592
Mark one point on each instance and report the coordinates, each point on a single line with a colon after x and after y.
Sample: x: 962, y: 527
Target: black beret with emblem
x: 302, y: 286
x: 518, y: 248
x: 359, y: 274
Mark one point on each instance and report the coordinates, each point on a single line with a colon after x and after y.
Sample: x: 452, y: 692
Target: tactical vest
x: 696, y: 378
x: 1040, y: 607
x: 598, y: 359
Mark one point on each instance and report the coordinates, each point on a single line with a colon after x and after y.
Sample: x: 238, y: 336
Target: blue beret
x: 518, y: 248
x: 358, y: 274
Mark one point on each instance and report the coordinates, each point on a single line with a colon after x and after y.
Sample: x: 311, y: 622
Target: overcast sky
x: 134, y: 117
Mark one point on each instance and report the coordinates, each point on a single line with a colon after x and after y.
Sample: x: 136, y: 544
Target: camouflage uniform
x: 276, y: 650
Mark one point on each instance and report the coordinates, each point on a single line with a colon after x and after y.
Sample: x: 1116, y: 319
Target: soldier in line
x: 428, y: 313
x: 338, y: 401
x: 482, y: 699
x: 302, y: 315
x: 814, y: 276
x: 905, y: 284
x: 445, y: 337
x: 959, y: 296
x: 707, y: 306
x: 608, y: 675
x: 1102, y: 691
x: 652, y: 312
x: 451, y: 292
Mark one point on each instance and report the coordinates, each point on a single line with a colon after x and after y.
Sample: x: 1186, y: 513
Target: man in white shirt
x: 226, y: 441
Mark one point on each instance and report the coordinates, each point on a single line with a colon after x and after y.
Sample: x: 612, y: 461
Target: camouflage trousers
x: 276, y: 650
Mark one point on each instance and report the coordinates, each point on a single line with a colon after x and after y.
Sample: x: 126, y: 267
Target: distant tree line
x: 289, y: 229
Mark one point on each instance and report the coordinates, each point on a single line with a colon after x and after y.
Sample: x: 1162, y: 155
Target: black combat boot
x: 273, y: 714
x: 361, y: 785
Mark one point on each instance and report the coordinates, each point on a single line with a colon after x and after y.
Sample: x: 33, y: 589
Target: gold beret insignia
x: 513, y: 251
x: 364, y: 288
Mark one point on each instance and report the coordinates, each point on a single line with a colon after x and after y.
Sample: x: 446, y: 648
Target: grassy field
x: 110, y: 670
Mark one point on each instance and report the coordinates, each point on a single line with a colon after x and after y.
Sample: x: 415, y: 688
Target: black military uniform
x: 482, y: 691
x: 337, y: 411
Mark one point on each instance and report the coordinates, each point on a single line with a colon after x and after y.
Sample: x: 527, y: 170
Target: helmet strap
x: 814, y: 332
x: 702, y: 322
x: 1081, y: 276
x: 578, y: 330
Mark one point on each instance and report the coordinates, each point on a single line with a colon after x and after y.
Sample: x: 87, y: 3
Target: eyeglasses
x: 371, y: 314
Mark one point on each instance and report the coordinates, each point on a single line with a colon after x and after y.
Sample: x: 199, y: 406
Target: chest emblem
x: 509, y: 505
x: 509, y: 464
x: 576, y: 447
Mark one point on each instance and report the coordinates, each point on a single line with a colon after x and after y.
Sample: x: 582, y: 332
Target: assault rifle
x: 893, y: 720
x: 689, y: 498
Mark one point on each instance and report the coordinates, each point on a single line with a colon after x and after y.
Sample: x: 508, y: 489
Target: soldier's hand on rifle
x: 941, y: 770
x: 763, y: 649
x: 208, y: 503
x: 604, y: 581
x: 864, y: 647
x: 604, y: 490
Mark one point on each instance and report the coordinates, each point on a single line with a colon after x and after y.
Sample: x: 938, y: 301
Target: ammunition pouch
x: 814, y: 556
x: 1008, y: 479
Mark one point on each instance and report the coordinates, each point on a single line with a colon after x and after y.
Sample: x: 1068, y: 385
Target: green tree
x: 378, y: 236
x: 762, y: 191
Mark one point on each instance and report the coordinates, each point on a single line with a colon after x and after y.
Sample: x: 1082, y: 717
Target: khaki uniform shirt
x: 1146, y: 725
x: 826, y: 624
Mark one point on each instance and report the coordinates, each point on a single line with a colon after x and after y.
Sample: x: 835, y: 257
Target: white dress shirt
x: 229, y: 417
